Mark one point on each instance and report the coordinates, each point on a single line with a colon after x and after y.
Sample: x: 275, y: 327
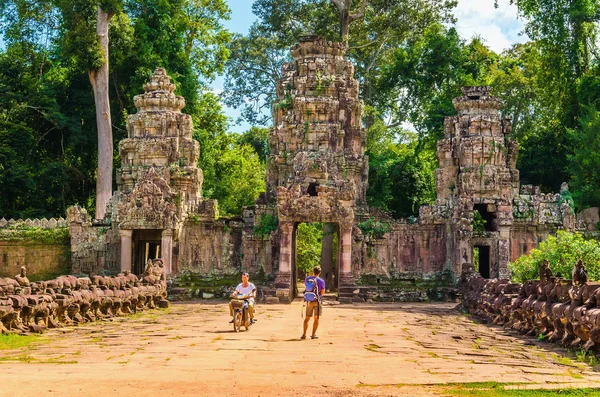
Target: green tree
x: 561, y: 59
x: 308, y: 246
x: 47, y: 119
x: 240, y: 177
x: 85, y: 36
x: 584, y: 164
x: 426, y: 74
x: 400, y: 165
x: 210, y: 130
x: 258, y: 138
x: 562, y: 252
x: 252, y: 74
x: 372, y: 40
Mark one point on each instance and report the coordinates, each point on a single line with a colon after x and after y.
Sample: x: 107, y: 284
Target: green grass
x: 14, y: 341
x: 564, y: 360
x: 33, y: 360
x: 586, y: 357
x: 493, y: 389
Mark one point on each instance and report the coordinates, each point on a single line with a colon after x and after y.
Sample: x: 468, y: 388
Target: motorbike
x: 241, y: 314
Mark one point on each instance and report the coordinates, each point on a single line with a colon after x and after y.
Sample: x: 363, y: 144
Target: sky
x: 499, y: 28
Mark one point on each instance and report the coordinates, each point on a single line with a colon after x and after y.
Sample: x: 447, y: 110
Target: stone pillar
x: 166, y: 250
x: 283, y: 282
x: 346, y: 275
x: 503, y: 252
x: 463, y: 251
x: 126, y: 249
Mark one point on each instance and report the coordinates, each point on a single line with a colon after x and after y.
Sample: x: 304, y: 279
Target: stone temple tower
x: 317, y: 171
x: 159, y: 182
x: 477, y: 172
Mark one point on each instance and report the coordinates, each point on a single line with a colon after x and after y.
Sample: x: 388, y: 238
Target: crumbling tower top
x: 158, y: 95
x: 477, y: 100
x: 159, y: 139
x: 477, y: 157
x: 317, y: 142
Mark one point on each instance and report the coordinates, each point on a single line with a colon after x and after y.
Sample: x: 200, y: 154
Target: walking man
x: 315, y: 288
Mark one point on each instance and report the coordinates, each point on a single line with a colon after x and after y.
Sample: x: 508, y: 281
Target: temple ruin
x: 317, y: 172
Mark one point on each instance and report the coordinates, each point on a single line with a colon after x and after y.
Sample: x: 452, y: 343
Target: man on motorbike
x: 244, y: 290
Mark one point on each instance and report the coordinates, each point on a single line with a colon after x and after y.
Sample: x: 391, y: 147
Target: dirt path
x: 363, y: 350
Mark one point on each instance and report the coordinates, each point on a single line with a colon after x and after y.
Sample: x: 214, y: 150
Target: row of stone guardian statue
x: 67, y: 300
x: 559, y: 310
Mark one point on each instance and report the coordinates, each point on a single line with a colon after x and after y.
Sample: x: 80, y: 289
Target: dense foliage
x: 48, y: 145
x: 562, y: 251
x: 408, y: 57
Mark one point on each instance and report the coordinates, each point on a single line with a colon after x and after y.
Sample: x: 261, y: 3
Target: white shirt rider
x: 247, y: 290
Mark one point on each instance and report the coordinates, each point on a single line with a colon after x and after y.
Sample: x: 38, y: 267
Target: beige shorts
x: 313, y: 308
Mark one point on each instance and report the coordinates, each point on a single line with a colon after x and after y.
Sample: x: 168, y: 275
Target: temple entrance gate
x: 317, y: 171
x: 303, y: 243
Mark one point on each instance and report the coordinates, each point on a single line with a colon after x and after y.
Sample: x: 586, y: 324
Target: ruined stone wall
x: 94, y: 249
x: 260, y: 241
x: 42, y: 246
x: 212, y: 255
x: 410, y: 251
x: 210, y: 247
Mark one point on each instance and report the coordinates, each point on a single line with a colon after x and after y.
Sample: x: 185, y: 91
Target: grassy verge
x: 14, y: 341
x: 494, y: 389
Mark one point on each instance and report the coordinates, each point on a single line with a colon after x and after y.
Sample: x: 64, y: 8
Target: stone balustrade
x: 30, y: 223
x: 68, y: 300
x: 553, y: 308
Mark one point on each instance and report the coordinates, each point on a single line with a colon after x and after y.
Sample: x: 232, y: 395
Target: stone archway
x: 286, y: 277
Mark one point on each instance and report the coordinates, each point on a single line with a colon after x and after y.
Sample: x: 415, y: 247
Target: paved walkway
x: 363, y: 350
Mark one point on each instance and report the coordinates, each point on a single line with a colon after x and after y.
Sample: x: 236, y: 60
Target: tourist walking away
x: 244, y: 290
x: 315, y: 288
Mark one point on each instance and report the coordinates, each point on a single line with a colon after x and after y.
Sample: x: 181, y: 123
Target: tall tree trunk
x: 99, y: 81
x: 345, y: 24
x: 327, y: 255
x: 346, y: 18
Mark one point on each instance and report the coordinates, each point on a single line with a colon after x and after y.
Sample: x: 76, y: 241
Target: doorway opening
x: 481, y: 260
x: 315, y: 244
x: 146, y: 244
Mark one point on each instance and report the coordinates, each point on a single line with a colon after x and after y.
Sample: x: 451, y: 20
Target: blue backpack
x: 311, y: 289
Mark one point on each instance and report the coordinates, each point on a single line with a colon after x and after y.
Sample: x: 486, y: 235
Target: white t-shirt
x: 245, y: 290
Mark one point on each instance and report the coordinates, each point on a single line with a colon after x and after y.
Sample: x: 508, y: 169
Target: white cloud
x: 498, y: 27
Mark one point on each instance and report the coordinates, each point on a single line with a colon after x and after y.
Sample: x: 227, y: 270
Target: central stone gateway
x: 317, y: 171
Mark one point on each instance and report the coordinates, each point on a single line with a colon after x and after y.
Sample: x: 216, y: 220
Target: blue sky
x: 499, y: 28
x: 240, y: 22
